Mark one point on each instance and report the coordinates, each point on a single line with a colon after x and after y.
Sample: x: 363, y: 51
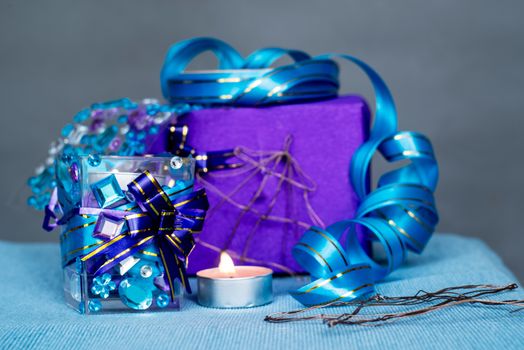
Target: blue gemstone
x: 162, y: 300
x: 105, y: 138
x: 78, y: 265
x: 94, y: 160
x: 97, y: 289
x: 86, y: 140
x: 153, y: 130
x: 66, y: 130
x: 146, y: 271
x: 107, y: 191
x: 32, y: 181
x: 81, y: 308
x: 135, y: 294
x: 127, y: 103
x: 103, y: 285
x: 82, y: 115
x: 176, y: 162
x: 125, y: 150
x: 31, y: 201
x: 95, y: 305
x: 122, y: 119
x: 152, y: 109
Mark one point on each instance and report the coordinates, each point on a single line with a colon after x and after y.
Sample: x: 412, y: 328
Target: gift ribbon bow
x: 400, y: 214
x: 166, y: 223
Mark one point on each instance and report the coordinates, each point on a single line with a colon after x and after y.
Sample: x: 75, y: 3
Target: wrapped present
x: 290, y: 171
x: 127, y: 229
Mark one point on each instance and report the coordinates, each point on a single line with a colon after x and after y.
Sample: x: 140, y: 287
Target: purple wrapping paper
x: 325, y: 136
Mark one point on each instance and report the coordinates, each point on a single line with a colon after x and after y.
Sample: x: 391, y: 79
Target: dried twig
x: 446, y: 297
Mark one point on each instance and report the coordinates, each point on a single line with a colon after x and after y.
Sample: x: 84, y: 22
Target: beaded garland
x: 120, y: 127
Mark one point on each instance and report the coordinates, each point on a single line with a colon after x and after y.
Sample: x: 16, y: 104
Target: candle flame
x: 226, y: 264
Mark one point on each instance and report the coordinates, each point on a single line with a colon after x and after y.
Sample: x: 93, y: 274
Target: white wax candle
x: 240, y: 272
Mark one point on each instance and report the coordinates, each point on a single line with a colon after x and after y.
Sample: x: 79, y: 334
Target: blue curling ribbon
x: 247, y: 82
x: 400, y: 214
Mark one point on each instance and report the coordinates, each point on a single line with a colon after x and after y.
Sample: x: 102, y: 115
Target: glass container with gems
x: 119, y: 218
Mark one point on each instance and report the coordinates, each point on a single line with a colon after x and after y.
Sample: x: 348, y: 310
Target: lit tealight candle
x: 230, y: 286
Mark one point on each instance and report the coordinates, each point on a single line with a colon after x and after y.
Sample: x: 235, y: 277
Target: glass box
x: 96, y: 202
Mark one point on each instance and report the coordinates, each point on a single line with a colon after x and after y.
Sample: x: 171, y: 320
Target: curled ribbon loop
x: 168, y: 224
x: 248, y: 82
x: 400, y: 214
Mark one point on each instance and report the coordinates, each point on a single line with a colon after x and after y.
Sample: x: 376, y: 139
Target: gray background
x: 455, y: 68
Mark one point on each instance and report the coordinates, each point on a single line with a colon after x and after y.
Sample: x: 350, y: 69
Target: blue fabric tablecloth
x: 33, y: 314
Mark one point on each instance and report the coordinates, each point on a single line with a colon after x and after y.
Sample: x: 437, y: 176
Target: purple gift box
x: 295, y: 174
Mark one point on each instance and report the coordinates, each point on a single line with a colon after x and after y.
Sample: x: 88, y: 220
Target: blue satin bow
x: 400, y: 214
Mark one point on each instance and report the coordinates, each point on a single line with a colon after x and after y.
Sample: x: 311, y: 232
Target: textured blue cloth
x: 33, y: 314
